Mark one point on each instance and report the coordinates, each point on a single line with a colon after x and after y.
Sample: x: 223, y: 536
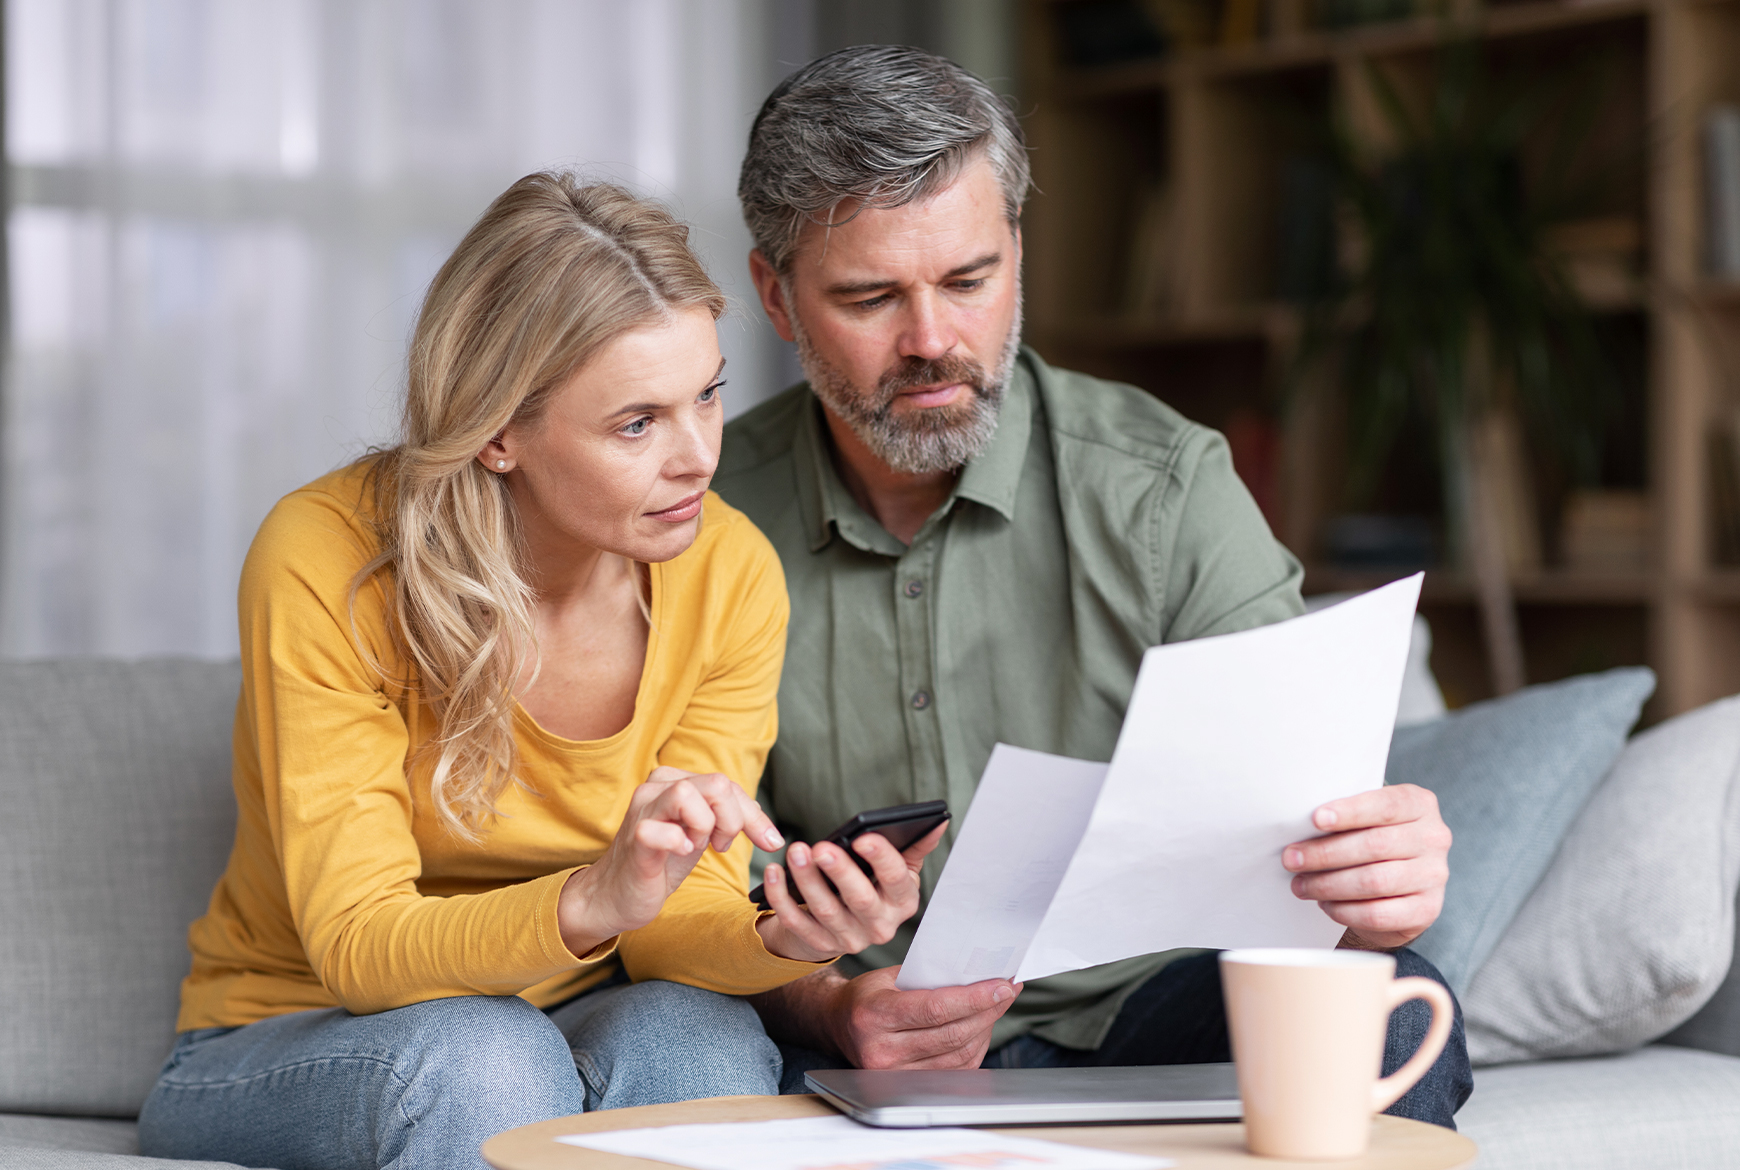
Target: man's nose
x: 928, y: 331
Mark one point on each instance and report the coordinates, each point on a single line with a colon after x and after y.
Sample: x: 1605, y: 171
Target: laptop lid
x: 903, y: 1098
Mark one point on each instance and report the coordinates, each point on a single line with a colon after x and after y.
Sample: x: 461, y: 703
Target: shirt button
x: 920, y: 700
x: 914, y: 587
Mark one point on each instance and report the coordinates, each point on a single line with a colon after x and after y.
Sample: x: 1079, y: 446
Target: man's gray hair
x: 881, y: 124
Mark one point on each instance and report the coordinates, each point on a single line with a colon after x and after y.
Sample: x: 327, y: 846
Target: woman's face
x: 625, y: 449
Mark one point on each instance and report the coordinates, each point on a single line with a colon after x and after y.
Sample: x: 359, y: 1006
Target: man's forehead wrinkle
x: 988, y: 260
x: 962, y: 237
x: 916, y: 255
x: 931, y: 185
x: 875, y: 276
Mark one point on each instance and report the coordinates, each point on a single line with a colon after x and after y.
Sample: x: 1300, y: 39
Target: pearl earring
x: 501, y: 464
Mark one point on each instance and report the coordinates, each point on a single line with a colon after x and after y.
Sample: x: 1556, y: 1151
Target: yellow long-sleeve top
x: 345, y: 888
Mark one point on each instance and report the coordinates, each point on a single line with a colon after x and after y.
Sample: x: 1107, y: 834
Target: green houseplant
x: 1447, y: 309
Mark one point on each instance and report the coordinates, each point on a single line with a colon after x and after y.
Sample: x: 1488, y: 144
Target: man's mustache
x: 916, y: 372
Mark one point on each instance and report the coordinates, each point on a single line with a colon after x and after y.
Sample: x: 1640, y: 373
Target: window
x: 223, y: 216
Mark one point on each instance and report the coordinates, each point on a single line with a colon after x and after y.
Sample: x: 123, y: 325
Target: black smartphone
x: 901, y: 825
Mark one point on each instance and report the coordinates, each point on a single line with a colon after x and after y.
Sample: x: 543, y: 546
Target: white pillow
x: 1631, y: 929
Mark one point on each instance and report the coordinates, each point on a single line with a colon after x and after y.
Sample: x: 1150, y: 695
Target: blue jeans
x: 1178, y: 1017
x: 424, y: 1086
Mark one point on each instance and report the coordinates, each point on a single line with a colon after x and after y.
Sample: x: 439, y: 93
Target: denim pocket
x: 186, y: 1042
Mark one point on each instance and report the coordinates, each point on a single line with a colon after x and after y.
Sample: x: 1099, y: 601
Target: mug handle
x: 1389, y: 1090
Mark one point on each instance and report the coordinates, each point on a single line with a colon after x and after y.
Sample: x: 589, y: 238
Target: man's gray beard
x: 926, y: 441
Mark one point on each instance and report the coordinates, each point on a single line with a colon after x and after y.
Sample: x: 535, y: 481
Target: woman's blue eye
x: 712, y: 392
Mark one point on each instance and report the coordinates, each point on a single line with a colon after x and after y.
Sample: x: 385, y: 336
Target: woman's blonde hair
x: 552, y: 273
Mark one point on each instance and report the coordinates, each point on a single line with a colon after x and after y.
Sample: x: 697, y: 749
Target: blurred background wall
x: 223, y: 215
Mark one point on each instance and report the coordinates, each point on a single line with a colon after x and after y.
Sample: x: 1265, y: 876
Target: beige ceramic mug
x: 1308, y: 1033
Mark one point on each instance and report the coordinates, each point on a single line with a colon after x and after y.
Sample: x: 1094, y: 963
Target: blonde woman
x: 507, y: 690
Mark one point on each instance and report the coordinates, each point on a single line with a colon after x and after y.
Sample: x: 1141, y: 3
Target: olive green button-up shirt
x: 1097, y: 523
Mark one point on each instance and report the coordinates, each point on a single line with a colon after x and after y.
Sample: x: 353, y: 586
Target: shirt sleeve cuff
x: 801, y: 966
x: 550, y: 927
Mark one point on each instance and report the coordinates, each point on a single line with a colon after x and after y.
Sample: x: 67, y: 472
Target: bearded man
x: 978, y: 549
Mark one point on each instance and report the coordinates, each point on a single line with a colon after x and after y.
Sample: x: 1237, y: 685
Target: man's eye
x: 875, y: 302
x: 637, y: 427
x: 972, y: 285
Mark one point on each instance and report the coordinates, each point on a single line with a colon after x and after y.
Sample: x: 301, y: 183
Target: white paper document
x: 1027, y: 819
x: 839, y: 1143
x: 1228, y: 745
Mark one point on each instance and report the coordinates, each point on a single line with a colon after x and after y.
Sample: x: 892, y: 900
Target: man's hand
x: 880, y: 1026
x: 862, y: 913
x: 873, y: 1024
x: 1381, y: 870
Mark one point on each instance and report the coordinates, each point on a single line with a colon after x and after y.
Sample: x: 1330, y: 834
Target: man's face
x: 907, y: 320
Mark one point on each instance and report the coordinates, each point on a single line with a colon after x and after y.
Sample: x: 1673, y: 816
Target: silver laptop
x: 908, y: 1099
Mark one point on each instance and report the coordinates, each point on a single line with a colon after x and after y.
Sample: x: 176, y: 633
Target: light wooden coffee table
x: 1396, y: 1144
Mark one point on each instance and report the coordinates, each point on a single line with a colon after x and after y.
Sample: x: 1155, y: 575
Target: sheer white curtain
x: 224, y: 213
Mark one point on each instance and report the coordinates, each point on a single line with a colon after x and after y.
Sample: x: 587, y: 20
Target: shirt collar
x: 818, y: 487
x: 993, y: 479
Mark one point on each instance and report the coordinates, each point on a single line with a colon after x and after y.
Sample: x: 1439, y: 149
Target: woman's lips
x: 686, y: 509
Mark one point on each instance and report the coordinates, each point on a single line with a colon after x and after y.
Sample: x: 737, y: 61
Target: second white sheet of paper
x: 1228, y: 746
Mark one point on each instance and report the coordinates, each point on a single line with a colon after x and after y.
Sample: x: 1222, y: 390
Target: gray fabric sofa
x: 114, y: 778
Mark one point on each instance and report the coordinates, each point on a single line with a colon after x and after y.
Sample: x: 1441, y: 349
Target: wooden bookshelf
x: 1213, y: 128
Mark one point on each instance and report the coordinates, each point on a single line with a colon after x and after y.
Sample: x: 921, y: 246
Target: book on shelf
x: 1368, y: 542
x: 1241, y: 22
x: 1254, y: 441
x: 1307, y: 237
x: 1093, y: 33
x: 1197, y: 24
x: 1151, y: 261
x: 1602, y: 258
x: 1106, y: 32
x: 1189, y: 24
x: 1724, y: 486
x: 1606, y: 531
x: 1722, y: 189
x: 1287, y: 18
x: 1338, y: 14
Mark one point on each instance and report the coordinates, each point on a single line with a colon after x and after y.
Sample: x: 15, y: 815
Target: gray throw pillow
x: 1632, y: 928
x: 1510, y: 775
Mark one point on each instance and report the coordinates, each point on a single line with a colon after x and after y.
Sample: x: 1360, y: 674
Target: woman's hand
x: 671, y: 819
x: 862, y: 914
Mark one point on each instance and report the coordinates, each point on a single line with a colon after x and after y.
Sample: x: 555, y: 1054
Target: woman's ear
x: 495, y: 456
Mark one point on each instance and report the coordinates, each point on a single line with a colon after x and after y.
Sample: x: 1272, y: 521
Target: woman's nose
x: 696, y: 451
